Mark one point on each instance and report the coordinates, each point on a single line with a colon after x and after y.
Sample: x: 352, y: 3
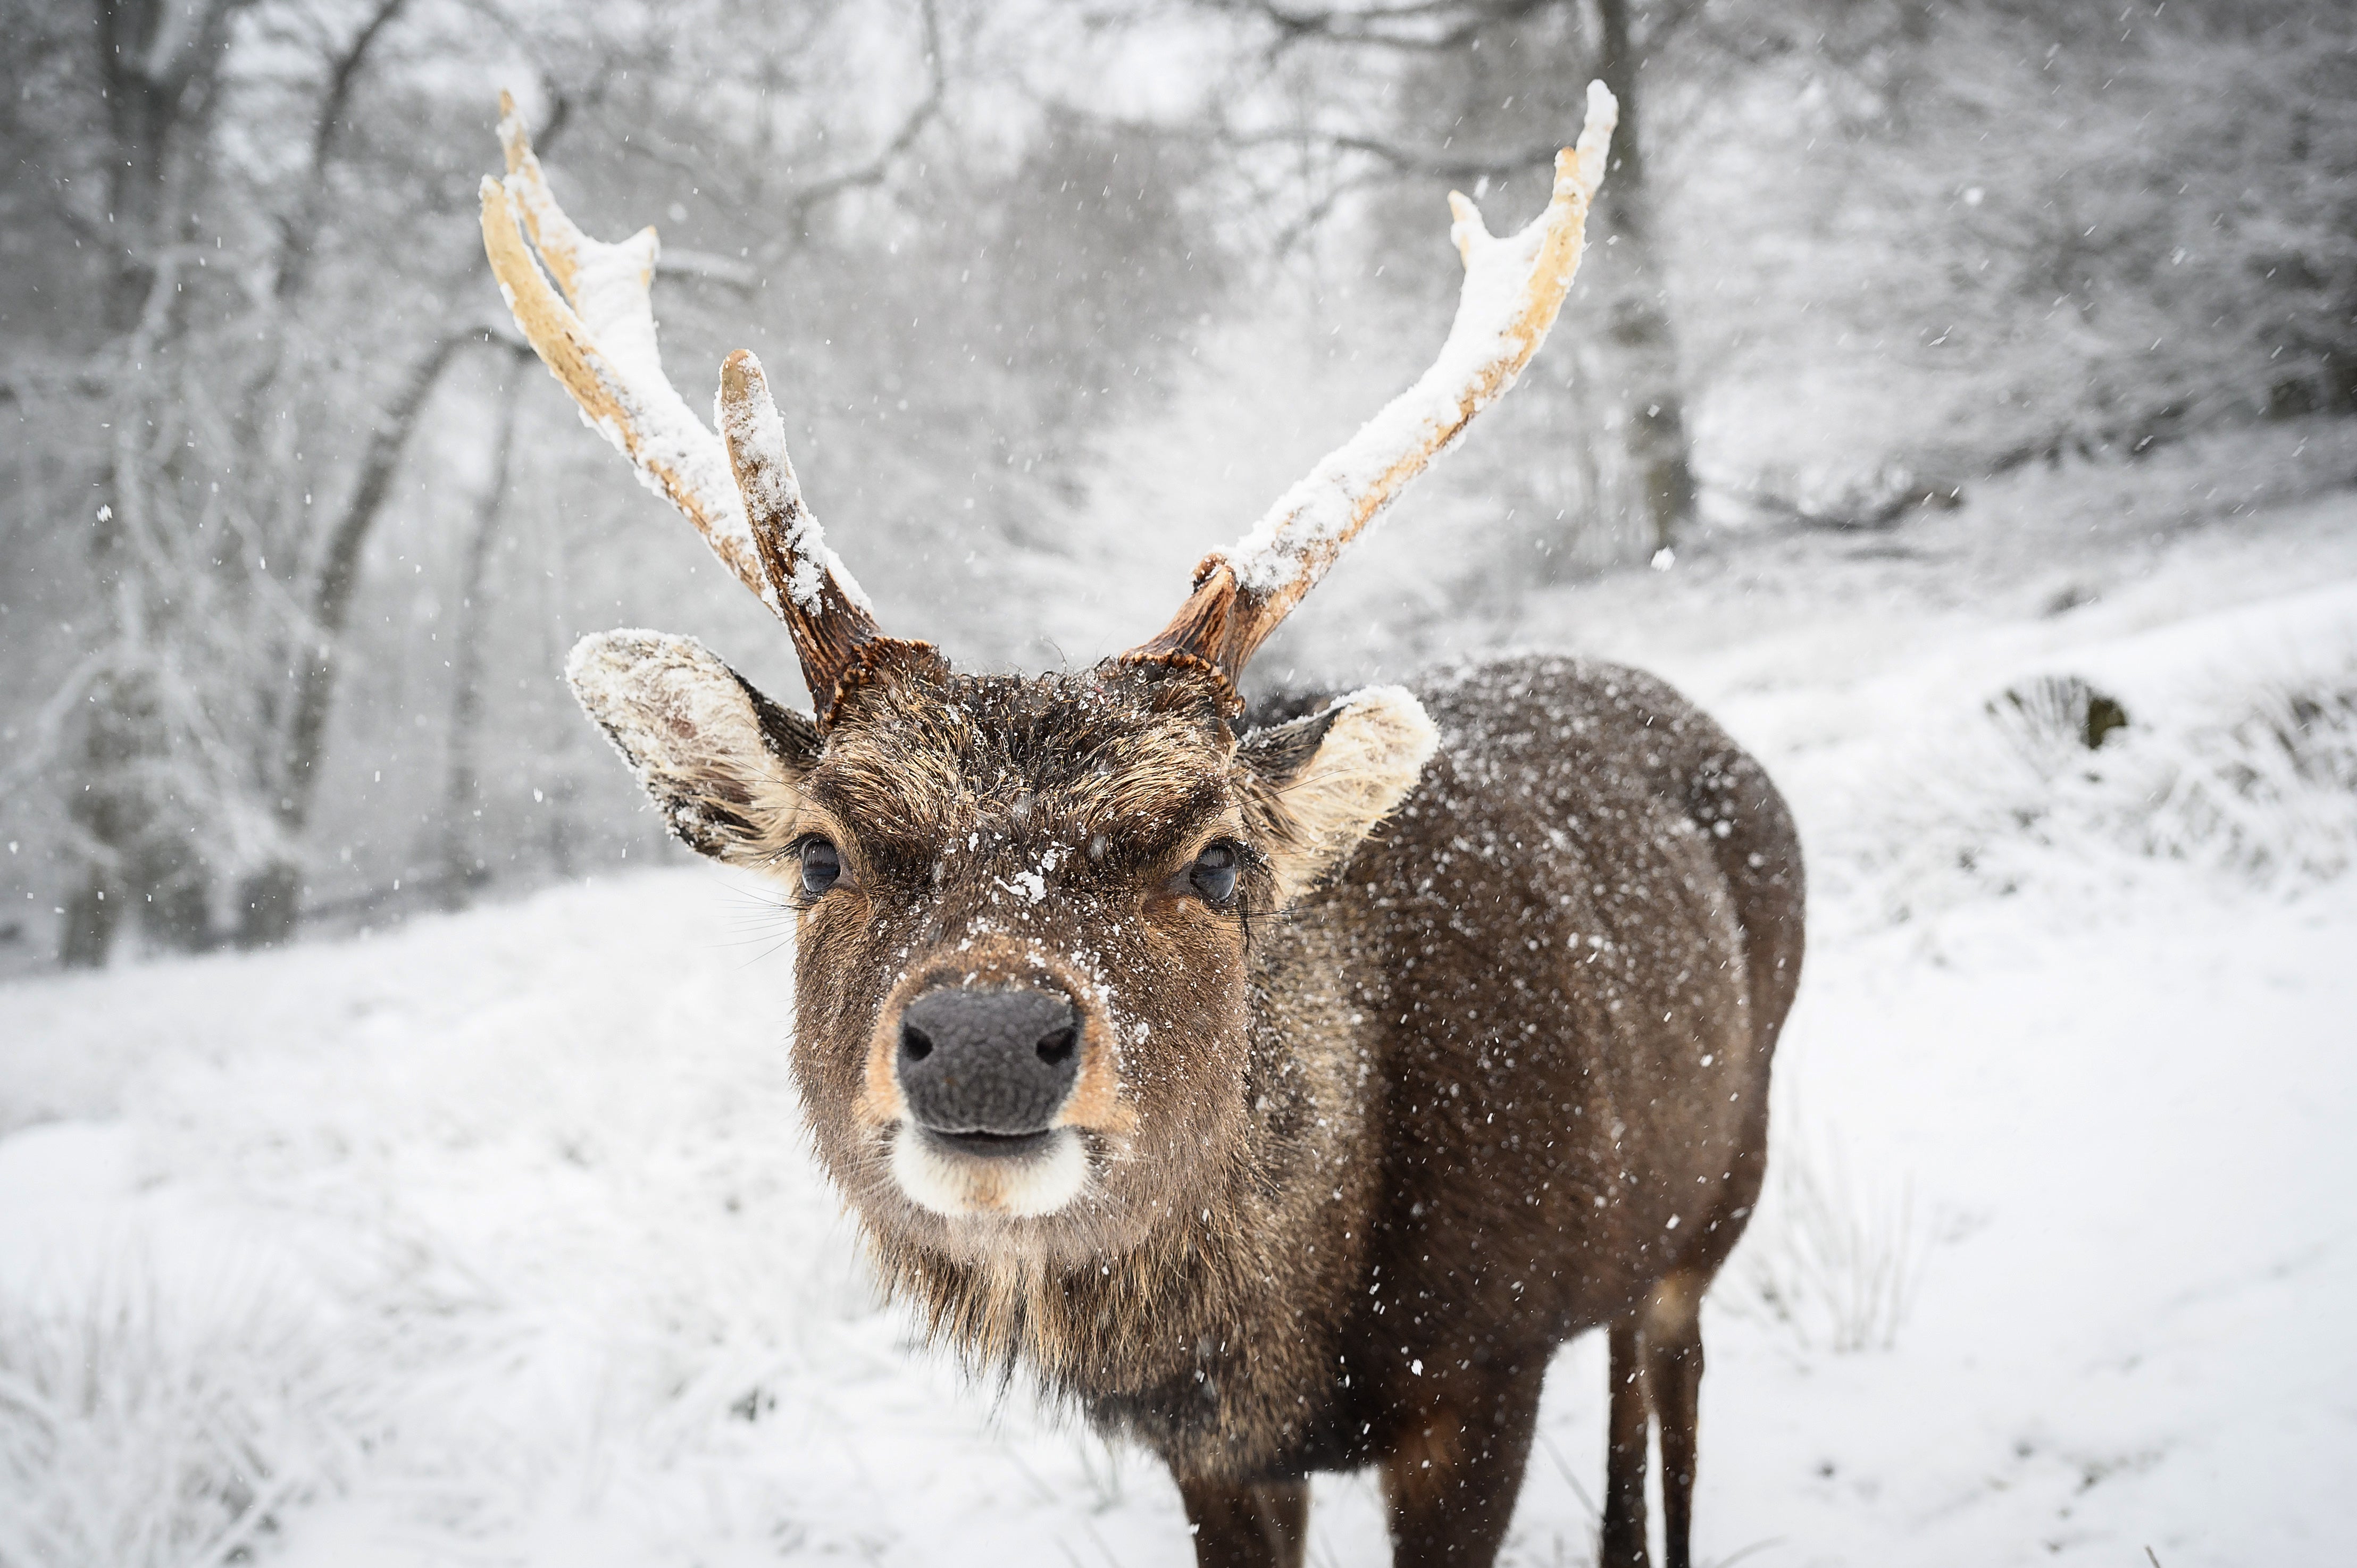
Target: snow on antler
x: 1513, y: 286
x: 597, y: 338
x: 830, y: 619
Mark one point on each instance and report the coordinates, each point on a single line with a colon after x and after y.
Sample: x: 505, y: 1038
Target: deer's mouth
x: 991, y: 1145
x: 1018, y: 1175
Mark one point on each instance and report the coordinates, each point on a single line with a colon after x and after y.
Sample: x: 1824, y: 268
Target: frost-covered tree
x: 251, y: 418
x: 246, y: 352
x: 2017, y: 231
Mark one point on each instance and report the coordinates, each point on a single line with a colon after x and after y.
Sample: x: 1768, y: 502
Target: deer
x: 1275, y: 1086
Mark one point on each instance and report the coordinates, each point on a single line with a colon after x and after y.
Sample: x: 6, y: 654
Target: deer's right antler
x: 1513, y: 285
x: 597, y: 338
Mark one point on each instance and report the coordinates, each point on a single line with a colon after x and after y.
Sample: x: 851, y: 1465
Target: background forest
x: 294, y: 538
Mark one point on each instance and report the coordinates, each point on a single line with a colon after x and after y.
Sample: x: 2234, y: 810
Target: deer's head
x: 1025, y: 906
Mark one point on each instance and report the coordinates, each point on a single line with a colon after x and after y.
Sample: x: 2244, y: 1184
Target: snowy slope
x: 495, y: 1241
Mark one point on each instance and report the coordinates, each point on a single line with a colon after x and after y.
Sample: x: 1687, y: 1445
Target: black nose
x: 988, y: 1061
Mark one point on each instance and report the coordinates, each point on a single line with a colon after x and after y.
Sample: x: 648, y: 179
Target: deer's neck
x: 1204, y: 1339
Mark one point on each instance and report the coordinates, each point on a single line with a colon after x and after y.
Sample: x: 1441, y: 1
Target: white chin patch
x: 959, y: 1184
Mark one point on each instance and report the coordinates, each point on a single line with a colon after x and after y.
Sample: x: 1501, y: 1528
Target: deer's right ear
x: 1334, y: 776
x: 724, y: 763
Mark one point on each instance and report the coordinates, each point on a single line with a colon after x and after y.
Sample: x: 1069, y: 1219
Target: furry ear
x: 723, y: 762
x: 1334, y: 776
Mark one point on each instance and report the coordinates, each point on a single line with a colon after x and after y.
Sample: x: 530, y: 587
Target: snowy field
x: 493, y: 1239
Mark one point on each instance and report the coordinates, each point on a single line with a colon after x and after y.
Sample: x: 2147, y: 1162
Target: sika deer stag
x: 1280, y: 1094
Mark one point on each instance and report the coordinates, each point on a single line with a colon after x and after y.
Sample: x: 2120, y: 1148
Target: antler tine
x: 831, y: 620
x: 1514, y: 288
x: 597, y: 338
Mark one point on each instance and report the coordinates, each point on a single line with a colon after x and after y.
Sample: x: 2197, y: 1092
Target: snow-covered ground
x: 494, y: 1239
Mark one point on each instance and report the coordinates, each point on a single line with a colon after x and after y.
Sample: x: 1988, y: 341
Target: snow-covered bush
x: 2270, y: 791
x: 146, y: 1424
x: 2252, y: 778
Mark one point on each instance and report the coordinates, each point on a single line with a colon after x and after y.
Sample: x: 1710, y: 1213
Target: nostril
x: 914, y: 1044
x: 1056, y: 1047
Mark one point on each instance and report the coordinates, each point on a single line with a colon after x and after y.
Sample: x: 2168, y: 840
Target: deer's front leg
x: 1451, y: 1481
x: 1263, y: 1524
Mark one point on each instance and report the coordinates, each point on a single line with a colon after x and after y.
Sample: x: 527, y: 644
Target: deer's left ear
x: 1334, y: 776
x: 723, y: 762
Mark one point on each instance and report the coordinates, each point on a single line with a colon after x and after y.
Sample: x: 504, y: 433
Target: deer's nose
x: 997, y: 1063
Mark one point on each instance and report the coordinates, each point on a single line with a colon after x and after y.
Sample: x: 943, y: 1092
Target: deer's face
x: 1027, y: 914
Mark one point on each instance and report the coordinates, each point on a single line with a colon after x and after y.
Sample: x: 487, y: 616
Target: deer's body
x: 1508, y: 1074
x: 1280, y: 1096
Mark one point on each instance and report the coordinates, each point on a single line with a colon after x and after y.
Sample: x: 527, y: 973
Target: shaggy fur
x: 1477, y: 1060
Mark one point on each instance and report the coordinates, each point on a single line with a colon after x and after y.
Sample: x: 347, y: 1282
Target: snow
x: 495, y: 1239
x: 1506, y: 305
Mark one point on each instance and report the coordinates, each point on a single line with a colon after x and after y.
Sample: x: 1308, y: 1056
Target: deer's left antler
x: 1513, y: 286
x: 597, y: 338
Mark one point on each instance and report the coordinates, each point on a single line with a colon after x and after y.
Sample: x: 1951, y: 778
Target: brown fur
x: 1476, y: 1066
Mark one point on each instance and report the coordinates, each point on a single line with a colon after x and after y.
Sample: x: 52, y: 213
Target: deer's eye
x: 1214, y: 873
x: 820, y: 866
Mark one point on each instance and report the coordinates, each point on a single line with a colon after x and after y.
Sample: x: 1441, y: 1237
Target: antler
x: 598, y: 339
x: 1513, y: 286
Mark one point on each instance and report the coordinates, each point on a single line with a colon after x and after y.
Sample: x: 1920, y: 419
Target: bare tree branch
x: 709, y: 267
x: 297, y: 229
x: 804, y: 201
x: 343, y: 74
x: 37, y: 384
x: 1401, y: 159
x: 1434, y: 26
